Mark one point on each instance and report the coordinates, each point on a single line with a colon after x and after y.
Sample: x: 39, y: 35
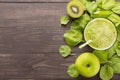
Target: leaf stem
x: 72, y: 54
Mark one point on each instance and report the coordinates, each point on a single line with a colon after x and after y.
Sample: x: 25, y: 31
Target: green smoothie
x: 101, y: 32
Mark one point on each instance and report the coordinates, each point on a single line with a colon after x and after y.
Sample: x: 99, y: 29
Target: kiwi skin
x: 75, y: 8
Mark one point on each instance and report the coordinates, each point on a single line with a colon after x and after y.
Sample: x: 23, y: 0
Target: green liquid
x: 102, y: 32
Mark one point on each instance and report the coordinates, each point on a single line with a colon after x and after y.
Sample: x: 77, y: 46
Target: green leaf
x: 64, y: 20
x: 80, y: 23
x: 84, y: 2
x: 72, y: 72
x: 115, y: 19
x: 75, y: 25
x: 114, y: 60
x: 116, y: 68
x: 65, y: 50
x: 115, y: 63
x: 73, y: 37
x: 99, y: 3
x: 106, y: 72
x: 83, y: 20
x: 118, y: 51
x: 105, y: 4
x: 116, y: 8
x: 91, y: 7
x: 111, y: 51
x: 102, y: 13
x: 102, y: 55
x: 118, y: 30
x: 115, y: 48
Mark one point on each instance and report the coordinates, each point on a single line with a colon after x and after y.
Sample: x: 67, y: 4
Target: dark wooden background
x: 30, y: 35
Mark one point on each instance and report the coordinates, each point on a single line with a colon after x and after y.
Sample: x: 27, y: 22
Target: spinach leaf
x: 64, y: 20
x: 101, y: 14
x: 80, y: 23
x: 84, y: 2
x: 116, y: 68
x: 105, y: 4
x: 76, y: 25
x: 116, y: 8
x: 118, y: 51
x: 114, y: 49
x: 106, y: 72
x: 115, y: 63
x: 73, y: 37
x: 99, y: 3
x: 111, y: 51
x: 115, y: 19
x: 118, y: 30
x: 83, y: 20
x: 114, y: 60
x: 72, y: 71
x: 91, y: 7
x: 102, y: 55
x: 65, y: 50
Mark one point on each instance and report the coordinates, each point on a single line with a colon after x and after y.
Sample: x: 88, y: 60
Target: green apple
x: 87, y: 64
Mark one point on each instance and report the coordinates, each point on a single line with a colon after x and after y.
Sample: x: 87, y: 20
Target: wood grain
x: 30, y: 35
x: 35, y: 1
x: 32, y: 26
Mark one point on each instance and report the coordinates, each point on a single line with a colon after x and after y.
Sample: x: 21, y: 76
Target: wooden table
x: 30, y: 35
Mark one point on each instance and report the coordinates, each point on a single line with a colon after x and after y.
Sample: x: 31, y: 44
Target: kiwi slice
x: 75, y: 9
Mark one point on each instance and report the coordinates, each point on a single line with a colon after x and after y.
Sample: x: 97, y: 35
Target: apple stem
x: 85, y: 44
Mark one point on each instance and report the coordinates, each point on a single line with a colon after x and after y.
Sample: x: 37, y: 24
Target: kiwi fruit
x: 75, y: 8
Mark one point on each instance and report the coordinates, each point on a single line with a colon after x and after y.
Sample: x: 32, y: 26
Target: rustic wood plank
x: 31, y: 27
x: 30, y: 36
x: 36, y: 1
x: 40, y: 66
x: 35, y: 67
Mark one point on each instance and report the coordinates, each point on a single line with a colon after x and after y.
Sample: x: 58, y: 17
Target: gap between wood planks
x: 32, y: 2
x: 35, y: 1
